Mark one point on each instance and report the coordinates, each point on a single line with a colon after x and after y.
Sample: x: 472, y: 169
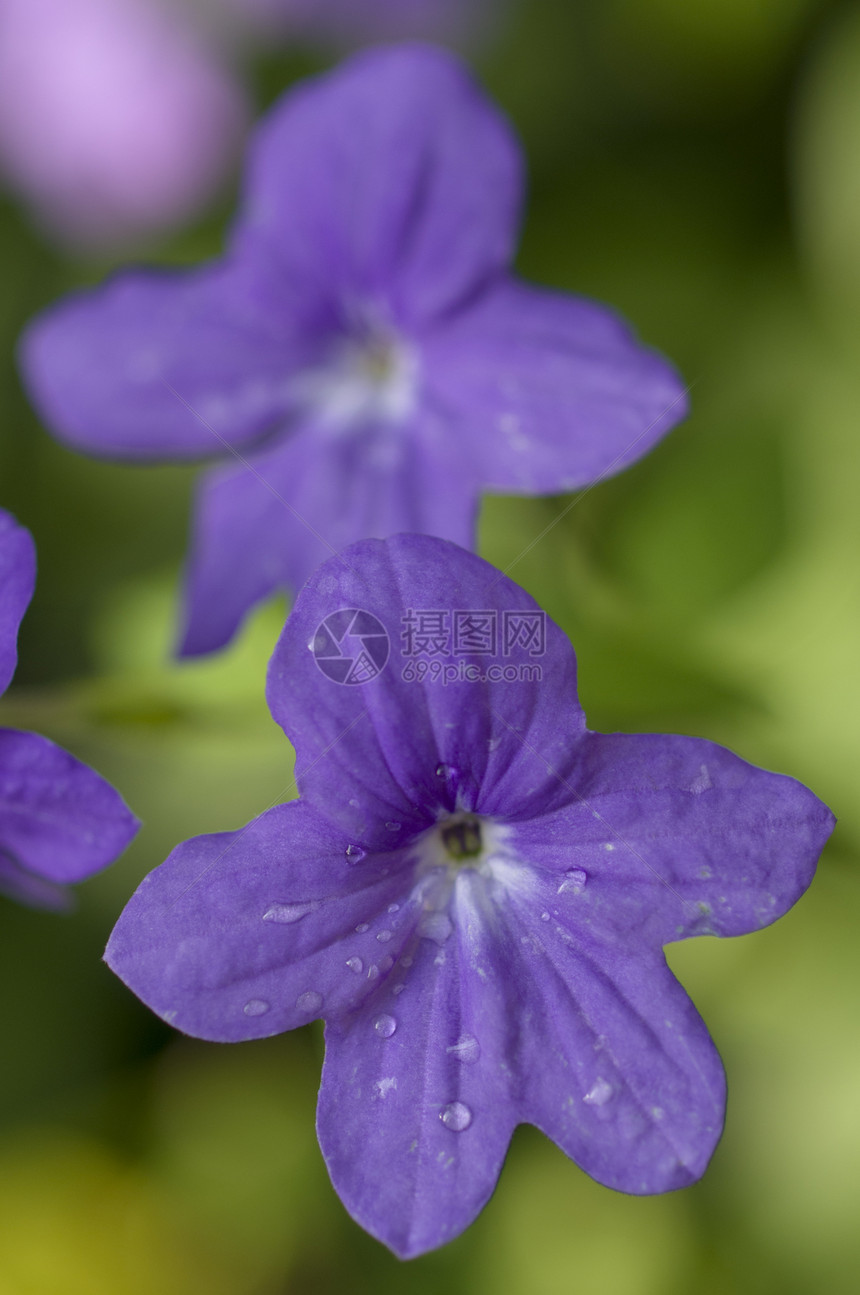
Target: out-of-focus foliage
x: 699, y: 167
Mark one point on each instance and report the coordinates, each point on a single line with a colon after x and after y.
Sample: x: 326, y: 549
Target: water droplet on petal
x: 544, y: 917
x: 383, y: 936
x: 394, y: 908
x: 287, y: 913
x: 392, y: 826
x: 456, y: 1116
x: 354, y: 853
x: 573, y: 882
x: 385, y: 1026
x: 356, y: 965
x: 373, y: 972
x: 446, y: 771
x: 435, y: 926
x: 354, y: 803
x: 599, y: 1094
x: 406, y: 962
x: 256, y: 1007
x: 398, y: 989
x: 310, y: 1001
x: 362, y: 927
x: 466, y: 1049
x: 386, y: 963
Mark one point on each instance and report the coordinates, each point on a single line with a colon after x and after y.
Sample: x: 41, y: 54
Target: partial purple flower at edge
x: 473, y: 891
x: 362, y: 361
x: 59, y: 821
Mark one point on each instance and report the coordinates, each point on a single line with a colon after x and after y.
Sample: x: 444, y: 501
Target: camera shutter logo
x: 351, y: 646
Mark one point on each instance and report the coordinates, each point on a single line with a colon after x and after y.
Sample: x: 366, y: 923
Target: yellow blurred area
x: 77, y: 1220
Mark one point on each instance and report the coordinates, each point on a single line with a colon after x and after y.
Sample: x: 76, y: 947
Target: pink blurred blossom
x: 116, y: 120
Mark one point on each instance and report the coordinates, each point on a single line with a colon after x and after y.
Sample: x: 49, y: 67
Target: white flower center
x: 371, y: 378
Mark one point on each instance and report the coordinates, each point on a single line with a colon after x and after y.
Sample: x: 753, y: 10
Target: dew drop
x: 310, y: 1001
x: 445, y: 771
x: 386, y: 963
x: 383, y: 936
x: 285, y: 914
x: 406, y: 962
x: 354, y: 803
x: 384, y: 1026
x: 466, y: 1049
x: 398, y: 989
x: 354, y: 853
x: 599, y: 1094
x: 394, y: 908
x: 544, y: 917
x: 435, y: 926
x: 256, y: 1007
x: 373, y: 972
x: 392, y: 826
x: 573, y: 882
x: 356, y: 965
x: 456, y: 1116
x: 362, y: 927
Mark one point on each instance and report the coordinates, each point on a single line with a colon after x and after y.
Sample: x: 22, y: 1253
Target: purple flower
x: 361, y: 361
x: 59, y: 821
x: 115, y: 120
x: 366, y: 19
x: 474, y: 891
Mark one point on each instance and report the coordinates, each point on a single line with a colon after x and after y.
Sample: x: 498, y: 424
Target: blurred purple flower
x: 115, y: 120
x: 366, y: 20
x: 474, y: 891
x: 59, y: 821
x: 362, y: 352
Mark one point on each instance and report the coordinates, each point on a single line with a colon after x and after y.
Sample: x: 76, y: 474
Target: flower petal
x: 614, y: 1062
x: 502, y: 1022
x: 166, y: 364
x: 58, y: 818
x: 26, y: 888
x: 676, y: 836
x: 17, y: 581
x: 551, y: 391
x: 393, y: 176
x: 414, y: 1118
x: 245, y: 934
x: 411, y: 750
x: 270, y: 522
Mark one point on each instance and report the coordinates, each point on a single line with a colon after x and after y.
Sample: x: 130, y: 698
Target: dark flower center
x: 379, y: 359
x: 462, y: 838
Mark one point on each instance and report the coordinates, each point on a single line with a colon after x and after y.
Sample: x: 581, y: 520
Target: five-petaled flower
x: 59, y: 821
x: 473, y: 891
x: 362, y: 361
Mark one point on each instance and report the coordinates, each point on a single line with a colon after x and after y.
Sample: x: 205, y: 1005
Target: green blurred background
x: 697, y: 165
